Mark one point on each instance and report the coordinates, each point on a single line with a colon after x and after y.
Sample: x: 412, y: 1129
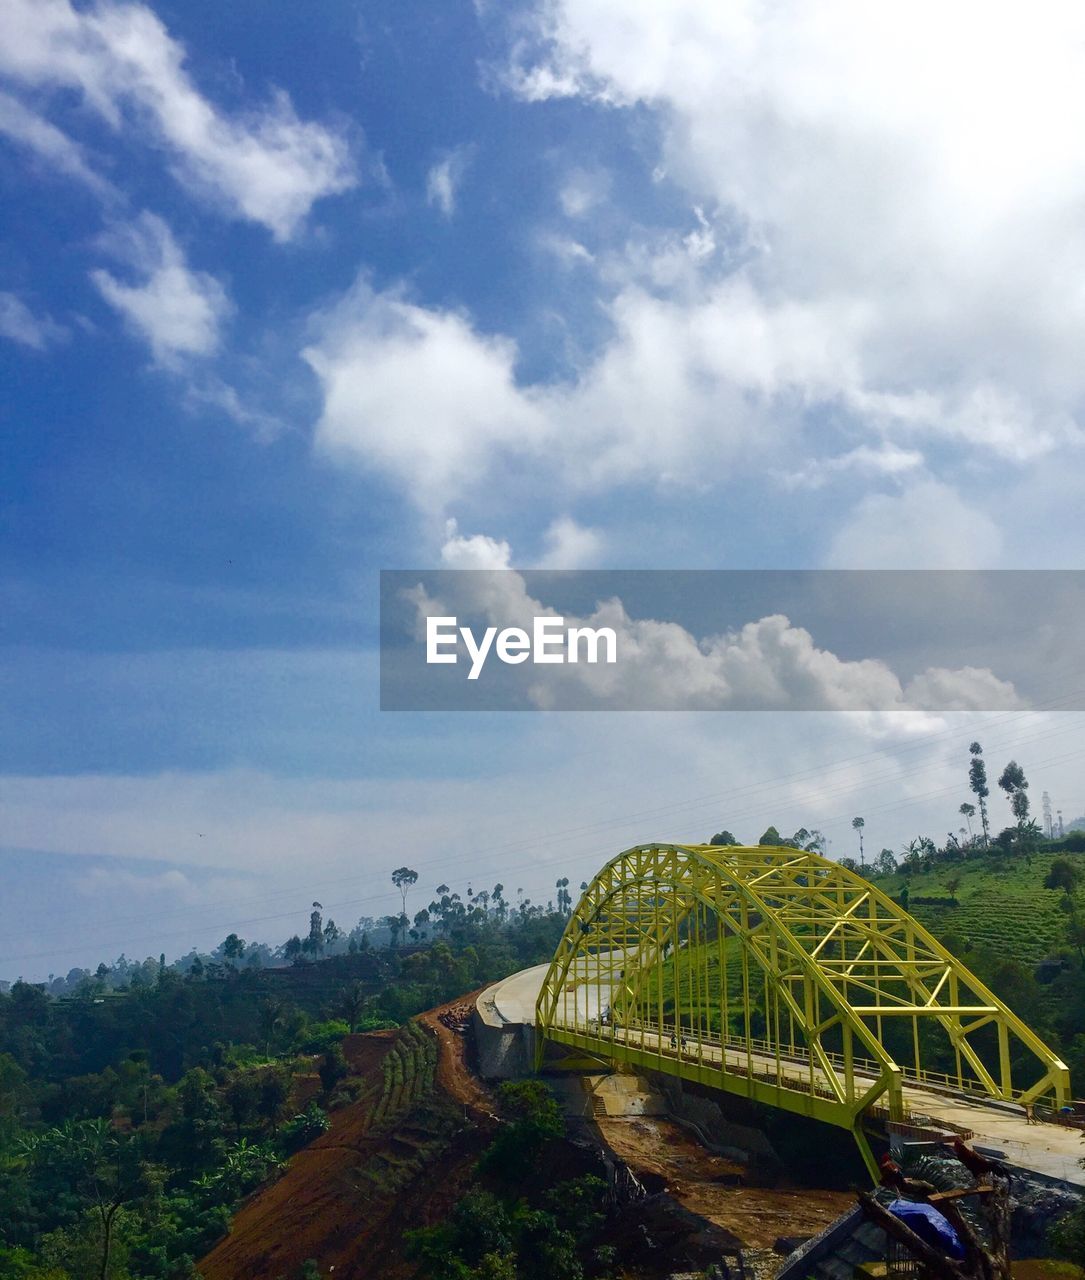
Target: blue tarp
x: 929, y: 1225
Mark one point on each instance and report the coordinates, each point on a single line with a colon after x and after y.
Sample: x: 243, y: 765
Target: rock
x: 784, y: 1245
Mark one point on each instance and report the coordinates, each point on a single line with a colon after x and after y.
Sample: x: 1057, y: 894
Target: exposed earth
x: 393, y: 1160
x: 704, y: 1183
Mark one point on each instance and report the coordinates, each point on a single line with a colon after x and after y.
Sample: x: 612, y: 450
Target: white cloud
x: 266, y: 165
x: 582, y: 191
x: 905, y: 772
x: 444, y: 179
x: 176, y: 310
x: 901, y: 185
x: 222, y: 396
x: 884, y: 460
x: 473, y: 551
x: 568, y: 252
x: 928, y: 525
x: 20, y: 324
x: 566, y: 545
x: 569, y: 545
x: 30, y: 130
x: 767, y: 664
x: 417, y: 393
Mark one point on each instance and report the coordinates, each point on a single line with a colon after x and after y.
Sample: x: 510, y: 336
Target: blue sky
x: 286, y: 292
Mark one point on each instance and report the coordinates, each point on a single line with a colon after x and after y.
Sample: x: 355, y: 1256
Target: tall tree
x: 315, y: 940
x: 857, y: 825
x: 565, y: 901
x: 1015, y: 785
x: 977, y: 782
x: 968, y: 812
x: 403, y: 878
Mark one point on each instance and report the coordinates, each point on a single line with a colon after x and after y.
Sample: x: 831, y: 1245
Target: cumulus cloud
x: 570, y: 545
x: 417, y: 393
x: 566, y: 545
x: 473, y: 551
x: 19, y: 324
x: 768, y: 663
x: 900, y: 190
x: 176, y: 310
x: 421, y: 395
x: 695, y: 378
x: 219, y: 395
x: 926, y: 525
x: 267, y: 165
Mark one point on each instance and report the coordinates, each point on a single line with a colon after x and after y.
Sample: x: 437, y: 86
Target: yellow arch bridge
x: 782, y: 977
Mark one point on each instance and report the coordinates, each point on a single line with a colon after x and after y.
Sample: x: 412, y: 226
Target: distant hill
x: 999, y: 905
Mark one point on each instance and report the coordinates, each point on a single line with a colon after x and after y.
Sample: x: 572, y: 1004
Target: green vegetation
x: 519, y: 1223
x: 141, y: 1103
x: 997, y: 902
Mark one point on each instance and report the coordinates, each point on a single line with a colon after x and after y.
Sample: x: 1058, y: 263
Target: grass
x: 1000, y: 905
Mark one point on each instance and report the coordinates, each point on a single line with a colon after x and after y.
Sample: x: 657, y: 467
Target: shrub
x: 303, y: 1128
x: 322, y: 1036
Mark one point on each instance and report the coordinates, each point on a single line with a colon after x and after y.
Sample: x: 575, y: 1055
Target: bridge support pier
x: 863, y: 1143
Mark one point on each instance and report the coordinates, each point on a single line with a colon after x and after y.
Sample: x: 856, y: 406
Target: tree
x: 104, y: 1169
x: 977, y: 782
x: 233, y: 948
x: 315, y: 940
x: 1063, y: 875
x: 565, y: 901
x: 243, y: 1099
x: 352, y: 1003
x: 771, y: 837
x: 1075, y: 935
x: 723, y: 839
x: 392, y: 924
x: 403, y: 878
x: 968, y: 812
x: 1015, y: 785
x: 858, y: 824
x: 809, y: 841
x: 885, y: 863
x: 333, y: 1067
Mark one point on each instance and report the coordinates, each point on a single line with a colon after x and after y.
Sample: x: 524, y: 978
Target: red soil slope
x: 325, y: 1206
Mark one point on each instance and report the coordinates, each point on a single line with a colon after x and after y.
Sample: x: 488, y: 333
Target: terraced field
x: 1001, y: 906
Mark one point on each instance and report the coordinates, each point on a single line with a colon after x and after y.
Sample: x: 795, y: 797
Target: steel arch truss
x: 780, y: 976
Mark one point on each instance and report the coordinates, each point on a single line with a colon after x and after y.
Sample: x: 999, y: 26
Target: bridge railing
x: 943, y: 1081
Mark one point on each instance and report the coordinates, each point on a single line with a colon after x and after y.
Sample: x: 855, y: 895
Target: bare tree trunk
x: 937, y: 1263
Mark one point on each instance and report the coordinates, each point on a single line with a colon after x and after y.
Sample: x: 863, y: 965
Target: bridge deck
x: 1046, y: 1148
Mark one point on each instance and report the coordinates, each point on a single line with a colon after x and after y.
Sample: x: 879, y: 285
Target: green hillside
x: 1000, y: 905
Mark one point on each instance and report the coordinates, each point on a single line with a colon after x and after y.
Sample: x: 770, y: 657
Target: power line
x: 748, y: 793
